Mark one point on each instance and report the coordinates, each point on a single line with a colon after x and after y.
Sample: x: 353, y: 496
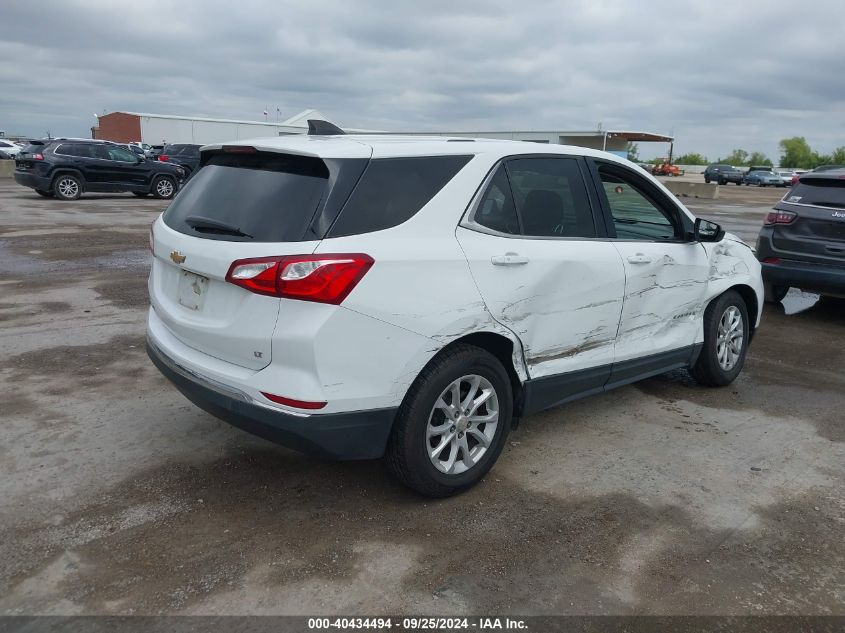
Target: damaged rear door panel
x: 544, y: 266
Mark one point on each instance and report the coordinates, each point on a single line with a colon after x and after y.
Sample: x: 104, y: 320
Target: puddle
x: 797, y: 301
x: 17, y: 264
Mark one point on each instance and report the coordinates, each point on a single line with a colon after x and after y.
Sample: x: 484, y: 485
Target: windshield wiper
x: 199, y: 223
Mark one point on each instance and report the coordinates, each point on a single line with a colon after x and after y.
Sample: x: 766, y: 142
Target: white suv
x: 413, y: 297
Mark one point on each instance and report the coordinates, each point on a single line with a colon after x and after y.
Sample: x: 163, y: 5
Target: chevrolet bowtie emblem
x: 177, y: 257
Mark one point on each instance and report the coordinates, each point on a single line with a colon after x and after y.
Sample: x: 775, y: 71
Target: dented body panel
x: 567, y: 309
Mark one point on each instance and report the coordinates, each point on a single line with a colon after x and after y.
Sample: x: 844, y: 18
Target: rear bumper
x: 811, y: 277
x: 342, y: 436
x: 32, y: 180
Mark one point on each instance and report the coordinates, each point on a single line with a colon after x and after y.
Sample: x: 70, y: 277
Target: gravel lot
x: 119, y: 496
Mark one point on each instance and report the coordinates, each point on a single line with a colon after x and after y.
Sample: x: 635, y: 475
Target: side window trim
x: 585, y: 169
x: 655, y: 196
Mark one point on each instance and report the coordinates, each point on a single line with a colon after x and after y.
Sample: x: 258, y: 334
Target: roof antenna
x: 317, y: 127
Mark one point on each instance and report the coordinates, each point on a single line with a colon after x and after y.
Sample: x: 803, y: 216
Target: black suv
x: 802, y: 242
x: 185, y: 155
x: 723, y: 174
x: 65, y: 168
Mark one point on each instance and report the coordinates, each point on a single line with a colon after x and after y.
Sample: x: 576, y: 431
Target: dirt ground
x: 119, y: 496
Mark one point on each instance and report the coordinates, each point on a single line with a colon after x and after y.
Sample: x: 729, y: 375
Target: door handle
x: 509, y: 259
x: 639, y: 258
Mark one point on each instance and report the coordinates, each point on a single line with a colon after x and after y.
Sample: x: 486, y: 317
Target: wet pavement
x: 119, y: 496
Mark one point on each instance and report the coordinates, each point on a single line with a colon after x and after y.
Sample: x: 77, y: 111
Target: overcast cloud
x: 717, y: 76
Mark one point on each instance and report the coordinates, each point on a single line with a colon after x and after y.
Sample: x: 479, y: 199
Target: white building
x: 156, y: 129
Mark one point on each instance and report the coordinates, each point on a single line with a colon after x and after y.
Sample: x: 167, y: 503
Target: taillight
x: 290, y: 402
x: 771, y: 260
x: 239, y: 149
x: 321, y: 278
x: 38, y: 157
x: 163, y: 158
x: 779, y: 217
x: 794, y: 179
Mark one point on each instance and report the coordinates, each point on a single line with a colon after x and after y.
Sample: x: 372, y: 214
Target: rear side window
x: 392, y: 190
x: 818, y: 192
x: 551, y: 197
x: 250, y: 197
x: 75, y: 149
x: 497, y: 211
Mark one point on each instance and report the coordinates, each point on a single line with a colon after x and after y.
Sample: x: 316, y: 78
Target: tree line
x: 795, y: 152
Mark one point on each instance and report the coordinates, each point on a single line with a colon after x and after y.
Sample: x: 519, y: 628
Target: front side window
x: 636, y: 216
x: 120, y: 154
x: 551, y: 197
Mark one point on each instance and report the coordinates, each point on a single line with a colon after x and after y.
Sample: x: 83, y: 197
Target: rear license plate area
x: 192, y: 290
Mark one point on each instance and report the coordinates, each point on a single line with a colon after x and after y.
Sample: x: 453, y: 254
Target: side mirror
x: 706, y: 231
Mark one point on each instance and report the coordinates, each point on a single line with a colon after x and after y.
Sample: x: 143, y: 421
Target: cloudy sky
x: 717, y: 76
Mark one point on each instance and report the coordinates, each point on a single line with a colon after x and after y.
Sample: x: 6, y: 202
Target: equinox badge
x: 177, y: 257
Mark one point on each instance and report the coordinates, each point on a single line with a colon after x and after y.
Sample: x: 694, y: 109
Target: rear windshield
x: 33, y: 147
x: 818, y: 192
x: 392, y: 190
x: 250, y: 197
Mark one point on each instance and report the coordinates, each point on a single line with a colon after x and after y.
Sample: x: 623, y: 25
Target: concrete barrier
x: 688, y: 189
x: 7, y: 168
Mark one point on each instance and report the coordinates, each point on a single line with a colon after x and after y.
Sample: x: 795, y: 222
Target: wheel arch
x: 65, y: 171
x: 752, y: 302
x: 507, y: 352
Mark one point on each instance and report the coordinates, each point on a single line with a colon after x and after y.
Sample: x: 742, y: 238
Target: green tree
x: 736, y: 158
x: 633, y: 152
x: 758, y: 158
x: 837, y: 157
x: 691, y: 158
x: 796, y: 153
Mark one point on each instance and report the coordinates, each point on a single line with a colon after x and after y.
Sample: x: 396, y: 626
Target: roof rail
x: 317, y: 127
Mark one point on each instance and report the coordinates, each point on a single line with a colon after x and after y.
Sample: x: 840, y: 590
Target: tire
x: 164, y: 187
x: 774, y: 294
x: 410, y: 445
x: 707, y: 180
x: 719, y: 316
x: 67, y: 187
x: 140, y: 194
x: 45, y: 194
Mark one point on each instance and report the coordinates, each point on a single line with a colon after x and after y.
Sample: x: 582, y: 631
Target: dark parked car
x: 5, y: 156
x: 65, y: 168
x: 723, y: 174
x: 762, y: 178
x: 183, y: 154
x: 802, y: 242
x: 137, y: 149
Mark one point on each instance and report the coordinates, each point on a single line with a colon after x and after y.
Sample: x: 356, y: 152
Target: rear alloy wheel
x: 453, y: 422
x: 774, y: 294
x: 164, y: 187
x: 67, y: 187
x: 726, y: 332
x: 46, y: 194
